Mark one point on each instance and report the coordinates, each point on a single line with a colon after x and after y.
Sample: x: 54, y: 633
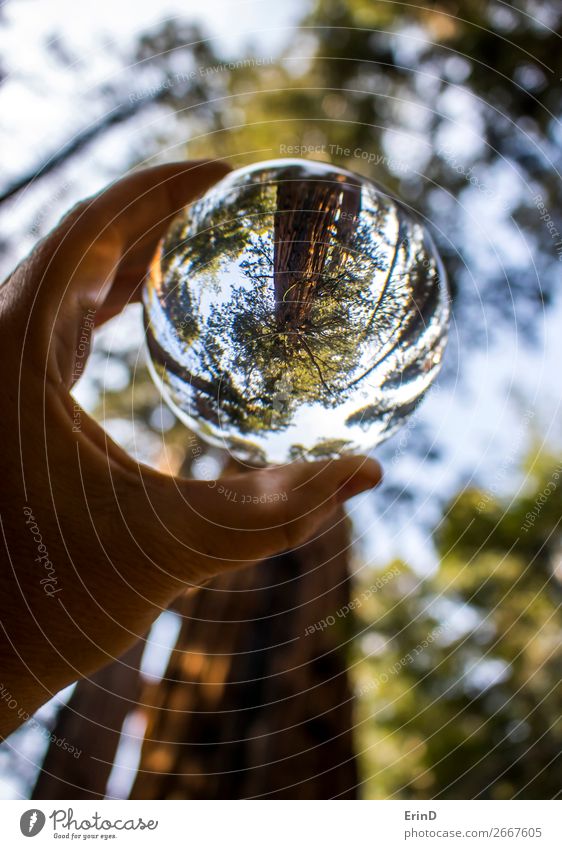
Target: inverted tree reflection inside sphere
x: 295, y: 311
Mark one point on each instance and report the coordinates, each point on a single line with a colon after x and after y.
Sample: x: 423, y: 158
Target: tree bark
x: 313, y: 219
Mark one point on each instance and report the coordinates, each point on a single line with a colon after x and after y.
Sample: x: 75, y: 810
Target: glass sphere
x: 295, y: 311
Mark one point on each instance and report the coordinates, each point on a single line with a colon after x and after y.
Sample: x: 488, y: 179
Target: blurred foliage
x: 458, y: 675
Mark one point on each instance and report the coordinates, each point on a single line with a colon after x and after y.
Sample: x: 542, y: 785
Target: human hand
x: 96, y: 544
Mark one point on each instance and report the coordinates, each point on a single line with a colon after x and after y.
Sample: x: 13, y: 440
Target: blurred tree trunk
x: 91, y: 721
x: 251, y: 704
x: 77, y: 144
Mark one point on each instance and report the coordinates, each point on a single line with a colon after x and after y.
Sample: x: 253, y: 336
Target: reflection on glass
x: 295, y: 311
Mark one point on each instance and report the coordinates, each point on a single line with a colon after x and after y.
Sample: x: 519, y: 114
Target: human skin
x: 94, y: 544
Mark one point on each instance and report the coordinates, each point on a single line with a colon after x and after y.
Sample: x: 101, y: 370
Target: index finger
x: 98, y: 255
x: 144, y: 231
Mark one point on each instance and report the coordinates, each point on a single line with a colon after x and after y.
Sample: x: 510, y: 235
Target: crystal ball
x: 295, y: 311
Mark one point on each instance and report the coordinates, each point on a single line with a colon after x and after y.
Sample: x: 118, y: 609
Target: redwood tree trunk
x: 312, y: 218
x: 252, y: 705
x: 91, y: 722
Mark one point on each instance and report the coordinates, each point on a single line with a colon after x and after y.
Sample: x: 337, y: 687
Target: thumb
x: 212, y: 526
